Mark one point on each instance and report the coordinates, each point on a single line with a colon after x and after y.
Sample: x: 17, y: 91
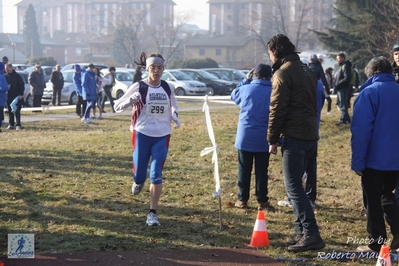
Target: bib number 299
x: 157, y: 109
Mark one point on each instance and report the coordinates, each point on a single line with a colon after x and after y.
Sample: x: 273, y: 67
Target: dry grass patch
x: 70, y: 185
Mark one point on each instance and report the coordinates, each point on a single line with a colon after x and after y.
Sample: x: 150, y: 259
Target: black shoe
x: 295, y: 240
x: 340, y: 123
x: 395, y: 242
x: 103, y: 111
x: 266, y: 206
x: 308, y: 242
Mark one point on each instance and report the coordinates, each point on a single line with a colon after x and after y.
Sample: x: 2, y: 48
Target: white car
x: 123, y: 80
x: 28, y: 99
x: 68, y: 93
x: 184, y: 84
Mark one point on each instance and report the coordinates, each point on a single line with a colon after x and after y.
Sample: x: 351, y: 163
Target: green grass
x: 70, y: 185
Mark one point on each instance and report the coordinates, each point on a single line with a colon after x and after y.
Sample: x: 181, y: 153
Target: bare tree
x: 280, y: 17
x: 171, y: 37
x: 127, y: 33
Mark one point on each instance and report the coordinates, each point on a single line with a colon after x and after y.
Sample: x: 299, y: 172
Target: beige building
x: 239, y: 52
x: 87, y: 16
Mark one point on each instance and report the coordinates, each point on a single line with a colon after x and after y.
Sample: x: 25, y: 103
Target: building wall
x: 263, y: 17
x: 238, y: 57
x: 92, y: 16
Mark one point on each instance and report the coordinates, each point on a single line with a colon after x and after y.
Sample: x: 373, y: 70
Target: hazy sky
x: 199, y: 7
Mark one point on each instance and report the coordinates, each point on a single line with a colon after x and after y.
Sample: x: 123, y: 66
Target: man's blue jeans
x: 296, y: 153
x: 342, y: 95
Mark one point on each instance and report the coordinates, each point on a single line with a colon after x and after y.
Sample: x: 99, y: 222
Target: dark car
x: 215, y: 86
x: 228, y: 74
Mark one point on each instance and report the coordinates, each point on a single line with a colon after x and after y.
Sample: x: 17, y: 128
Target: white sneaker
x: 18, y: 128
x: 88, y: 121
x: 284, y: 203
x: 329, y: 113
x: 152, y: 219
x: 10, y: 127
x: 137, y: 188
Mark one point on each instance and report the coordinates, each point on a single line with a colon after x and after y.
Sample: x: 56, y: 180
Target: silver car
x: 184, y: 84
x: 68, y: 93
x: 28, y: 99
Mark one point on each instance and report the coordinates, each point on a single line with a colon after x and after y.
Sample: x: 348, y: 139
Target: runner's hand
x: 176, y: 120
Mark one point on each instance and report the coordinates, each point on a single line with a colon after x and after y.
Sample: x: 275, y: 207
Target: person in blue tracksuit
x: 89, y: 92
x: 253, y: 97
x: 77, y: 81
x: 375, y: 151
x: 3, y: 92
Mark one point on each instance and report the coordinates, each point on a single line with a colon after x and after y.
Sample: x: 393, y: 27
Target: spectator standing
x: 330, y: 80
x: 293, y: 111
x: 150, y: 129
x: 344, y: 88
x: 37, y: 85
x: 57, y: 79
x: 99, y: 88
x: 89, y: 92
x: 137, y: 74
x: 375, y: 151
x: 4, y: 59
x: 17, y: 88
x: 253, y: 97
x: 77, y: 81
x: 357, y: 80
x: 3, y: 92
x: 395, y: 66
x: 108, y: 88
x: 310, y: 174
x: 315, y: 65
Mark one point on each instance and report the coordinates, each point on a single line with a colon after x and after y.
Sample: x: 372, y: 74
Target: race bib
x: 157, y: 104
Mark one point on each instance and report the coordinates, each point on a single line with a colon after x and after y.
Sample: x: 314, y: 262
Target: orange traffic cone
x: 260, y: 237
x: 384, y: 259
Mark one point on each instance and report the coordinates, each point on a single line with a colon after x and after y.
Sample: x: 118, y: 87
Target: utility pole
x: 31, y: 48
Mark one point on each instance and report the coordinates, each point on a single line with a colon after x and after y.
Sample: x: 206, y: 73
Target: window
x: 228, y: 28
x: 229, y: 17
x: 78, y: 51
x: 218, y: 51
x: 201, y: 51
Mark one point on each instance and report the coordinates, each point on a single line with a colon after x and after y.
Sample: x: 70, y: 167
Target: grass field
x: 70, y: 185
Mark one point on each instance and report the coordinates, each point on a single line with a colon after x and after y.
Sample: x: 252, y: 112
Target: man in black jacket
x: 317, y: 68
x: 343, y: 87
x: 17, y: 88
x: 57, y: 79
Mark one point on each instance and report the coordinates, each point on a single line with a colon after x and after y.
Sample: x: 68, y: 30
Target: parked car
x: 123, y: 80
x: 28, y: 99
x: 215, y: 86
x: 228, y: 74
x: 84, y: 66
x: 45, y: 69
x: 68, y: 93
x: 184, y: 84
x: 20, y: 66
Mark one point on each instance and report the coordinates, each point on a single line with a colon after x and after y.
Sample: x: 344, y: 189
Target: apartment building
x: 268, y: 17
x: 93, y: 16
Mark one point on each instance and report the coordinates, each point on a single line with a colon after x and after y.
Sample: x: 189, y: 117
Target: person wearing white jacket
x: 154, y: 108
